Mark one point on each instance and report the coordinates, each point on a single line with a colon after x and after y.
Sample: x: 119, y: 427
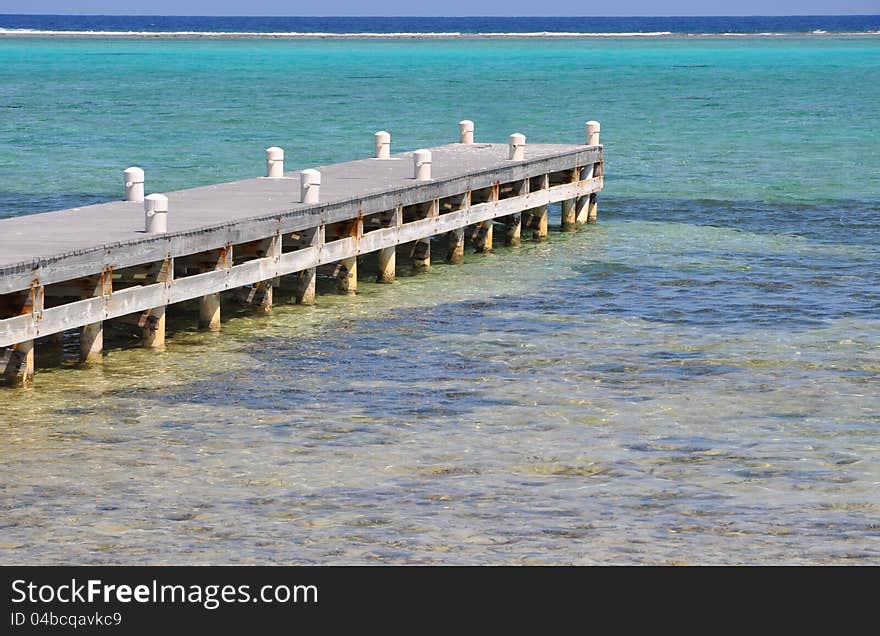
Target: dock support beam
x: 588, y: 206
x: 482, y: 236
x: 17, y: 363
x: 455, y: 249
x: 387, y: 265
x: 513, y: 229
x: 91, y: 337
x: 568, y: 221
x: 209, y: 312
x: 262, y: 297
x: 153, y: 328
x: 481, y: 233
x: 304, y: 287
x: 347, y: 268
x: 387, y: 256
x: 421, y: 250
x: 541, y: 227
x: 513, y: 222
x: 421, y: 255
x: 304, y: 280
x: 346, y: 275
x: 209, y: 304
x: 537, y: 217
x: 91, y: 343
x: 259, y: 296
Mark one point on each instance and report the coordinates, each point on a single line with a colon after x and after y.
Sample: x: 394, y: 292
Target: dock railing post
x: 383, y: 144
x: 466, y: 131
x: 422, y: 165
x: 274, y: 162
x: 592, y: 128
x: 310, y: 186
x: 155, y: 214
x: 133, y: 179
x: 517, y: 147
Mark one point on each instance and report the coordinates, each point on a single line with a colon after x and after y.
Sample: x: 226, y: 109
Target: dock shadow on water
x: 642, y: 391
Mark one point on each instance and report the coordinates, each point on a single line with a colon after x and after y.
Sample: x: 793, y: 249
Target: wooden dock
x: 129, y: 260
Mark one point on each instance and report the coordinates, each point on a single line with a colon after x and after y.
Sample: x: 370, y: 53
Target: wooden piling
x: 261, y: 301
x: 346, y: 276
x: 304, y: 286
x: 263, y: 290
x: 17, y: 362
x: 91, y: 336
x: 542, y: 224
x: 513, y: 229
x: 91, y: 343
x: 387, y: 265
x: 304, y: 280
x: 421, y: 255
x: 590, y: 211
x: 153, y: 324
x: 421, y: 249
x: 387, y: 256
x: 568, y: 219
x: 593, y: 212
x: 537, y: 217
x: 209, y: 304
x: 455, y: 246
x: 482, y: 236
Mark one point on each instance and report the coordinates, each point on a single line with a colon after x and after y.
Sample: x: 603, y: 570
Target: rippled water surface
x: 692, y: 380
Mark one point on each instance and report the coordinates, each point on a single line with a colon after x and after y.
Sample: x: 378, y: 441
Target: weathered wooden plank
x: 296, y: 261
x: 337, y: 250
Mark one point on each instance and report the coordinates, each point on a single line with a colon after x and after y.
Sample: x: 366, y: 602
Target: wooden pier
x: 130, y: 260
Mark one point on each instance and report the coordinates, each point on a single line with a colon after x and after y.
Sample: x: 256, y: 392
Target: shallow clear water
x: 693, y: 380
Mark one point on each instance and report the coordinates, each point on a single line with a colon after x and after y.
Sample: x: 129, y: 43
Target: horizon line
x: 278, y: 15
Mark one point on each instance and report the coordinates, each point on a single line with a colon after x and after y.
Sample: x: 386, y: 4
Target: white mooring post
x: 274, y: 162
x: 383, y: 144
x: 517, y: 147
x: 310, y: 186
x: 156, y: 214
x: 422, y: 165
x: 466, y: 131
x: 592, y: 133
x: 133, y: 178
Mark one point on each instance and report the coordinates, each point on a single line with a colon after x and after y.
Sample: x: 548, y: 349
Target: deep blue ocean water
x: 694, y: 379
x: 680, y: 25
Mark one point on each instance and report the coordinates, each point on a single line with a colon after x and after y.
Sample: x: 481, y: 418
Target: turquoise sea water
x: 693, y: 380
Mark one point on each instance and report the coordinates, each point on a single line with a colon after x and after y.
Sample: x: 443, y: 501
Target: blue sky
x: 446, y: 7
